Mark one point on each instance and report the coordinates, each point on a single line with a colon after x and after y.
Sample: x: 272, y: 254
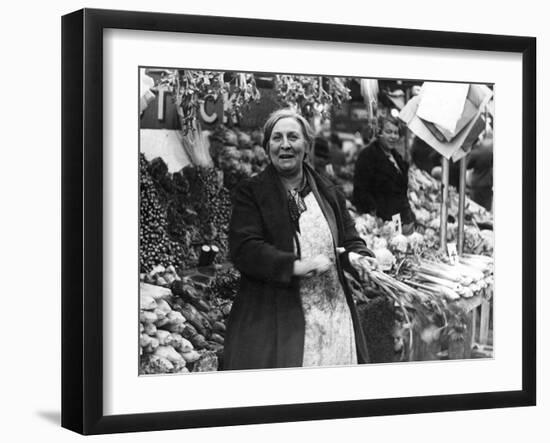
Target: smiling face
x: 287, y: 147
x: 389, y: 136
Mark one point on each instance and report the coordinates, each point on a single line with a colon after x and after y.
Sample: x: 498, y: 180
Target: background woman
x: 381, y: 178
x: 290, y: 235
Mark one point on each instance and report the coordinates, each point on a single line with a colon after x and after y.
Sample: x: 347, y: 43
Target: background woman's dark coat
x: 266, y: 326
x: 379, y: 186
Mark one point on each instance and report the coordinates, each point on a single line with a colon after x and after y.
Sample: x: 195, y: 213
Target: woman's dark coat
x: 378, y: 185
x: 266, y: 325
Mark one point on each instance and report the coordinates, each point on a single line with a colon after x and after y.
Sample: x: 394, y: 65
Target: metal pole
x: 444, y: 203
x: 461, y: 204
x: 407, y: 151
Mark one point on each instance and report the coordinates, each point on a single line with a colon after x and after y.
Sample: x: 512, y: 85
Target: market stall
x: 417, y: 305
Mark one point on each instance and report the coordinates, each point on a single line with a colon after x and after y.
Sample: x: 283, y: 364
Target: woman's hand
x: 313, y: 266
x: 359, y: 262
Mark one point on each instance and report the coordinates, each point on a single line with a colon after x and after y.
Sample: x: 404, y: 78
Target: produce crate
x: 478, y: 312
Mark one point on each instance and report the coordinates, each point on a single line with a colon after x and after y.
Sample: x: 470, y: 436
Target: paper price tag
x: 453, y: 254
x: 396, y: 219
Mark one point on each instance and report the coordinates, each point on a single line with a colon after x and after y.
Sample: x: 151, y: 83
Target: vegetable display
x: 413, y: 296
x: 425, y: 198
x: 179, y: 213
x: 182, y: 323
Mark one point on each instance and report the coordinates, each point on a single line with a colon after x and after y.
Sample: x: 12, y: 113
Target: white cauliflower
x: 399, y: 243
x: 379, y: 243
x: 416, y: 240
x: 434, y: 224
x: 423, y: 216
x: 385, y: 258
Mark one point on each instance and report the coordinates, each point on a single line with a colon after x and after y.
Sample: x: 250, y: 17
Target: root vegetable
x: 169, y: 278
x: 226, y: 309
x: 150, y: 329
x: 161, y: 315
x: 180, y: 344
x: 175, y: 318
x: 169, y: 353
x: 188, y: 331
x: 162, y: 323
x: 217, y: 338
x: 144, y: 340
x: 147, y: 303
x: 199, y: 341
x: 218, y: 327
x: 191, y: 356
x: 150, y: 348
x: 161, y: 281
x: 154, y: 291
x: 147, y: 317
x: 164, y: 337
x: 163, y: 306
x: 176, y: 328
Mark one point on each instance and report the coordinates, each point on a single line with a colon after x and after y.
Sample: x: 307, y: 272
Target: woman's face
x: 287, y: 147
x: 389, y: 136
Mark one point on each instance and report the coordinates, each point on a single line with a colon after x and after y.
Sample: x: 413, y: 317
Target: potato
x: 175, y: 318
x: 180, y: 344
x: 163, y: 306
x: 164, y: 337
x: 150, y: 348
x: 150, y: 329
x: 218, y: 327
x: 170, y: 353
x: 161, y: 315
x: 191, y: 356
x: 144, y: 340
x: 147, y: 317
x: 217, y: 338
x: 157, y: 292
x: 147, y: 303
x: 178, y: 328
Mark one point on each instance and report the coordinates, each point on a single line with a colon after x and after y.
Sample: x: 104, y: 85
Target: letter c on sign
x: 208, y: 118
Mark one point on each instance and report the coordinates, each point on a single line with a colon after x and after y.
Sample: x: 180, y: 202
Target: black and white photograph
x: 275, y: 221
x: 299, y: 220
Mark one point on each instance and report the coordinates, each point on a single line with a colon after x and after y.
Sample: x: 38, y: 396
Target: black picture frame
x: 82, y: 218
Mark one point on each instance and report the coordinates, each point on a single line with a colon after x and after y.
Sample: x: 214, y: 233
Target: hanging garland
x: 311, y: 95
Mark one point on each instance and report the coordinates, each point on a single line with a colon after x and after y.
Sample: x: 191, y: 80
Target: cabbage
x: 416, y: 240
x: 379, y: 243
x: 399, y: 243
x: 423, y: 216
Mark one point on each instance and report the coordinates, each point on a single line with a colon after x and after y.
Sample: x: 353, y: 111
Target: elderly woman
x: 381, y: 178
x: 290, y: 235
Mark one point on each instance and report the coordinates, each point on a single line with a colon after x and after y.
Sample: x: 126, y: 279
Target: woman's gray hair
x: 389, y: 119
x: 279, y: 114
